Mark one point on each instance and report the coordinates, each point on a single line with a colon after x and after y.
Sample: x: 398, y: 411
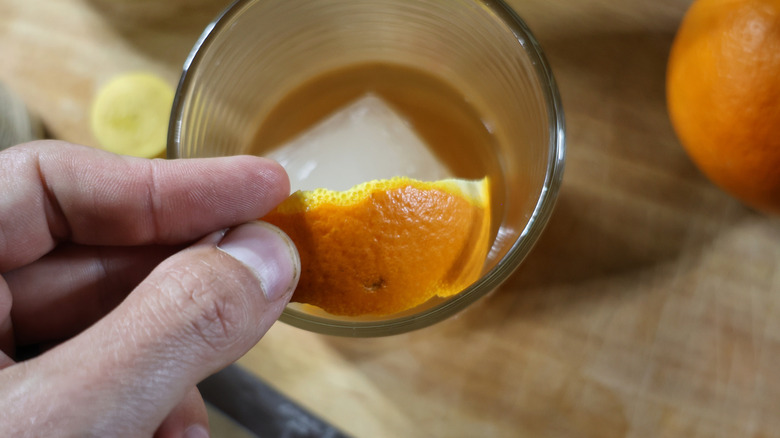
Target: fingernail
x: 196, y: 431
x: 267, y: 251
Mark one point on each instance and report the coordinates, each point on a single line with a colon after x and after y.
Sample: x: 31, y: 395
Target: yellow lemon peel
x: 130, y: 115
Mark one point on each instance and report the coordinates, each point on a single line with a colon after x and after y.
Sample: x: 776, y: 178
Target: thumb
x: 197, y: 312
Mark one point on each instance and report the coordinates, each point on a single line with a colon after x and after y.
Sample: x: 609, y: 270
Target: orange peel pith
x: 386, y: 246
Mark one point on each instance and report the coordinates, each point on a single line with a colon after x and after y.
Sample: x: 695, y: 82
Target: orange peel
x: 386, y: 246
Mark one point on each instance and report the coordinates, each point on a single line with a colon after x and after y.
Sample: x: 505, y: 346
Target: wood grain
x: 650, y: 308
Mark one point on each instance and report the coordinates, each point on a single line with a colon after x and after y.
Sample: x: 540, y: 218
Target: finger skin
x: 7, y: 343
x: 56, y: 191
x: 5, y: 361
x: 67, y: 290
x: 197, y: 312
x: 189, y: 412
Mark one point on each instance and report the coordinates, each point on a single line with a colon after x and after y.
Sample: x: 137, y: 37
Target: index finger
x: 53, y: 191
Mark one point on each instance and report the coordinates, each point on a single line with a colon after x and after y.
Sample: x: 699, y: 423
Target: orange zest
x: 386, y: 246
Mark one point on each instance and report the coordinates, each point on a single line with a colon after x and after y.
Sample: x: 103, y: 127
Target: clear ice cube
x: 363, y: 141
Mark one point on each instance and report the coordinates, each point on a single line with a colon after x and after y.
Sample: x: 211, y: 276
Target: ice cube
x: 363, y: 141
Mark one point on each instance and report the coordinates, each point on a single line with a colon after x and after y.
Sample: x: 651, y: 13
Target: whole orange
x: 723, y: 94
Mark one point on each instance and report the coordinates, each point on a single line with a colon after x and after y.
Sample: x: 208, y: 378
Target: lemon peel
x: 129, y: 115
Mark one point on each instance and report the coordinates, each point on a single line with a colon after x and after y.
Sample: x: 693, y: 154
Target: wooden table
x: 650, y: 308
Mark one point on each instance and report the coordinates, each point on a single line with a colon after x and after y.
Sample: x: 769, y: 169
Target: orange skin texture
x: 723, y: 94
x: 389, y: 252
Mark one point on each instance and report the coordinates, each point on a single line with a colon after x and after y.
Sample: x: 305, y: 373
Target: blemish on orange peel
x: 386, y: 246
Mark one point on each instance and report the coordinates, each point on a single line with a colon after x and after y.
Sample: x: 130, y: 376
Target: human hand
x: 116, y: 262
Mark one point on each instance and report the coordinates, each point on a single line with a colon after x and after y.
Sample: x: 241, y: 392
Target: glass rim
x: 506, y: 265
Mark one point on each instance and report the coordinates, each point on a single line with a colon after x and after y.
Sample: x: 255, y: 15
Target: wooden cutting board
x: 650, y: 308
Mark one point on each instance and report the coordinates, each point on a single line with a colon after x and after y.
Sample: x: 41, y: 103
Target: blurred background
x: 650, y: 307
